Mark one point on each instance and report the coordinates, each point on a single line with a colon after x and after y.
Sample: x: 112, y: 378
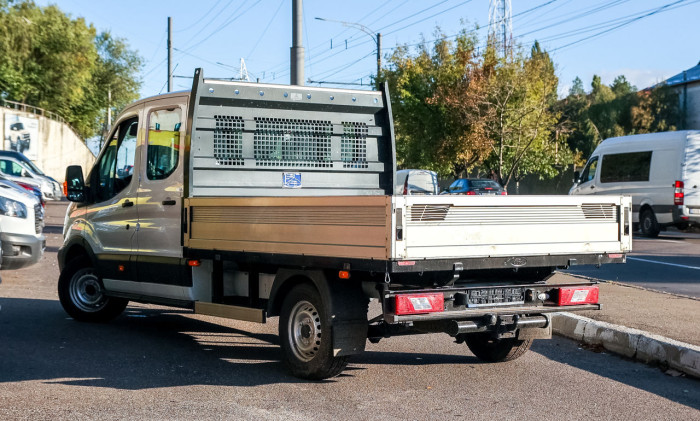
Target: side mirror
x: 577, y: 177
x: 74, y: 186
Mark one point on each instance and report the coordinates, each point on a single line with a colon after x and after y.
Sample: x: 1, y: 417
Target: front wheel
x: 487, y: 348
x: 306, y: 335
x: 82, y: 295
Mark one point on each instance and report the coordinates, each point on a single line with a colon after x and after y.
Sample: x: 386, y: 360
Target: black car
x: 476, y: 187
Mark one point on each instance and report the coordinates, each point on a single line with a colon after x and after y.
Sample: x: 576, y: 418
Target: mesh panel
x: 353, y: 145
x: 228, y: 140
x: 292, y: 143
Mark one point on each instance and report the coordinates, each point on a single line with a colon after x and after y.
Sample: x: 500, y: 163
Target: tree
x: 522, y: 93
x: 52, y: 61
x: 615, y: 110
x: 435, y: 101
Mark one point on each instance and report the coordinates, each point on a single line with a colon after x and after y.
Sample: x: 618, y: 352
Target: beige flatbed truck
x: 250, y: 201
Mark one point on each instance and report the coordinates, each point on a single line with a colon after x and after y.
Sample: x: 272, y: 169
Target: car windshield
x: 485, y: 184
x: 33, y: 167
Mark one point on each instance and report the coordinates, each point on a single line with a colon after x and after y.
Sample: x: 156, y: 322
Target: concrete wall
x: 59, y: 145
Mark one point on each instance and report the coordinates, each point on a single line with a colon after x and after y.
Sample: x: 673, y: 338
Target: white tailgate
x: 448, y: 226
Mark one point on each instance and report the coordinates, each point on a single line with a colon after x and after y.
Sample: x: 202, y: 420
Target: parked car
x: 476, y: 187
x: 26, y: 186
x: 19, y: 171
x: 661, y: 171
x: 410, y: 182
x: 58, y: 189
x: 21, y: 226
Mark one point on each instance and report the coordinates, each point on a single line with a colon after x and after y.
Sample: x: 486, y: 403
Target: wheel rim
x: 646, y: 223
x: 86, y: 291
x: 305, y: 331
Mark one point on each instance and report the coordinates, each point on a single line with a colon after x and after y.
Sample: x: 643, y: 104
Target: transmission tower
x: 244, y: 72
x: 501, y: 25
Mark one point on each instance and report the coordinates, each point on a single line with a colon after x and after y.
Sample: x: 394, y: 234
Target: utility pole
x: 297, y: 50
x: 170, y: 54
x: 379, y: 58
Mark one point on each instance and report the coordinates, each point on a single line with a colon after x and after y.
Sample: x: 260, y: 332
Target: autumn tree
x: 61, y: 64
x: 437, y: 102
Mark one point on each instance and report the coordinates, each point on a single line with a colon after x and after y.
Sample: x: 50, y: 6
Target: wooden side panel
x: 340, y: 226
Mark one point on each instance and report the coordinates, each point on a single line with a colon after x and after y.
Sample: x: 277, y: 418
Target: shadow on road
x: 139, y: 350
x: 684, y: 390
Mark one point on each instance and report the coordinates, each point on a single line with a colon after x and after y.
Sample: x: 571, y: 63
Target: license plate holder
x: 488, y: 297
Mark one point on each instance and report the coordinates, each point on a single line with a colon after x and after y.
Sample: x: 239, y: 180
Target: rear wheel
x: 82, y: 295
x: 648, y: 224
x: 487, y: 348
x: 306, y: 335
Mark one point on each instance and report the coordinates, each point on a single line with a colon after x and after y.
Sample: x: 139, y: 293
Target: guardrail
x: 32, y: 109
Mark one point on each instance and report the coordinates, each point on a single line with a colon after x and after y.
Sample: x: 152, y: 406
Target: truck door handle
x: 168, y: 202
x: 127, y: 203
x: 592, y: 187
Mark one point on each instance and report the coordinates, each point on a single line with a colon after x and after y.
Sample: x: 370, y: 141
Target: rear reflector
x: 571, y: 296
x: 615, y: 255
x: 419, y: 303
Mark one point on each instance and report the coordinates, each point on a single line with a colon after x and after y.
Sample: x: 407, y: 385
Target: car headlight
x: 9, y: 207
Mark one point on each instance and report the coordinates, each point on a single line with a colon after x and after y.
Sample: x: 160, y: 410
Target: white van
x: 410, y: 182
x: 661, y: 171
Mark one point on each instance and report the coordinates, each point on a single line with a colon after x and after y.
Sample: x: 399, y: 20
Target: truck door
x: 160, y: 196
x: 113, y: 214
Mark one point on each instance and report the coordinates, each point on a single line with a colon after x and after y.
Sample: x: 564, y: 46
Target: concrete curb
x: 632, y: 343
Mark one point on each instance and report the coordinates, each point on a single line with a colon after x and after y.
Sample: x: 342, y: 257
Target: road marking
x: 663, y: 263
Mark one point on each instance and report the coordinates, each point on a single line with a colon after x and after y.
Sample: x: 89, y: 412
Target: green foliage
x: 615, y: 110
x: 52, y: 61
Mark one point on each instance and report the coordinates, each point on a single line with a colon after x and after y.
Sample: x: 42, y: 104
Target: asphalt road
x: 669, y: 263
x: 160, y: 363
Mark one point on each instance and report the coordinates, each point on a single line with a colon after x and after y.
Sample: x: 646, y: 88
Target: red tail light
x: 419, y: 303
x: 571, y: 296
x: 678, y: 194
x: 504, y: 193
x: 470, y: 193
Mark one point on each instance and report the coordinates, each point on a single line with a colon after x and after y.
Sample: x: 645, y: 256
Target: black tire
x: 648, y: 224
x: 488, y: 349
x: 306, y: 335
x: 81, y: 293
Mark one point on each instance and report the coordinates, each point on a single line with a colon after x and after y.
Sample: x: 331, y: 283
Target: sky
x: 647, y: 41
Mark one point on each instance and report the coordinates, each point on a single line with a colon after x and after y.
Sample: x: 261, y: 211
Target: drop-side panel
x: 337, y: 226
x: 460, y: 226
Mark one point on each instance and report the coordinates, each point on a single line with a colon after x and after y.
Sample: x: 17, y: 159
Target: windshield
x: 33, y: 167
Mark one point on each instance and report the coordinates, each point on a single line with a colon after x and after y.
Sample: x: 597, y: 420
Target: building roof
x: 691, y: 75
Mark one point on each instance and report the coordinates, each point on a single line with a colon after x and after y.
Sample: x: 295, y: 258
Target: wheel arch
x: 74, y: 249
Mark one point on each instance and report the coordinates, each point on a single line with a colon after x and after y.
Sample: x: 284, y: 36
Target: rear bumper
x: 21, y: 250
x: 510, y: 300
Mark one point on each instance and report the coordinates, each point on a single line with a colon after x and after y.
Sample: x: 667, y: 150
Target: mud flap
x: 349, y: 318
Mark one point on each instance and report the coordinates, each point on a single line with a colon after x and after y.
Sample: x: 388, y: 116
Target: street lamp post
x: 376, y: 38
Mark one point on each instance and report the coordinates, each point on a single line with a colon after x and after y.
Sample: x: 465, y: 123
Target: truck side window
x: 116, y: 166
x: 163, y: 143
x: 588, y: 173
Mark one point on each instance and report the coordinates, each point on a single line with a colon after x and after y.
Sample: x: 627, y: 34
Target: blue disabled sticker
x: 291, y: 180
